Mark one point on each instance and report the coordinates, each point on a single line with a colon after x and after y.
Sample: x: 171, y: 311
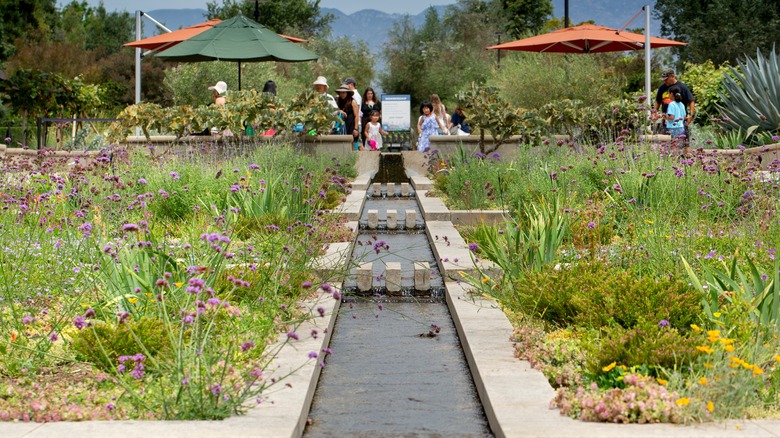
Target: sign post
x: 397, y: 119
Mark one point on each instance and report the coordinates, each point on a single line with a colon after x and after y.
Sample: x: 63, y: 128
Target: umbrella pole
x: 239, y: 75
x: 647, y: 64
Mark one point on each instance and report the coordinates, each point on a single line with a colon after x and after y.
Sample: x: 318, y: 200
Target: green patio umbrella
x: 237, y: 39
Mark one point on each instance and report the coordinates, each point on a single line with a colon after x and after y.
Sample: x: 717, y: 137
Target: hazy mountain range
x: 372, y: 25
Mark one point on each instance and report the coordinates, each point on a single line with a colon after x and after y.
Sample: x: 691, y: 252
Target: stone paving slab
x: 516, y: 397
x: 478, y: 217
x: 432, y: 209
x: 361, y: 182
x: 353, y: 206
x: 421, y: 183
x: 453, y: 254
x: 333, y: 265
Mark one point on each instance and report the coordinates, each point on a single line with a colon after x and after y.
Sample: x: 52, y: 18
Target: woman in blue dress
x: 427, y: 126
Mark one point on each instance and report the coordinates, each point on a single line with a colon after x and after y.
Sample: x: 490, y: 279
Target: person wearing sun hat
x: 350, y: 113
x: 220, y: 88
x: 321, y: 86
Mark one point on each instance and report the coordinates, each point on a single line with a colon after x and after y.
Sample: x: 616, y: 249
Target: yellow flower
x: 648, y: 221
x: 703, y: 381
x: 683, y: 401
x: 757, y: 370
x: 707, y: 365
x: 705, y: 349
x: 766, y: 345
x: 132, y: 300
x: 485, y: 279
x: 716, y: 314
x: 695, y: 327
x: 729, y: 348
x: 178, y: 284
x: 609, y: 367
x: 726, y: 341
x: 661, y: 381
x: 713, y: 335
x: 777, y: 358
x: 622, y: 367
x: 710, y: 406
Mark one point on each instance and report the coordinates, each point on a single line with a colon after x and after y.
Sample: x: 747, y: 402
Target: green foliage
x: 473, y: 182
x: 188, y: 82
x: 527, y: 16
x: 719, y: 30
x: 102, y: 342
x: 242, y: 109
x: 340, y: 58
x: 42, y: 94
x: 421, y: 62
x: 644, y: 344
x: 490, y: 114
x: 24, y: 18
x: 708, y: 82
x: 732, y: 286
x: 281, y: 16
x: 751, y: 95
x: 594, y: 295
x: 531, y: 80
x: 529, y: 241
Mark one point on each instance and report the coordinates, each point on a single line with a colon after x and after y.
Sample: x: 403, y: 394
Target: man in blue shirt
x: 458, y: 121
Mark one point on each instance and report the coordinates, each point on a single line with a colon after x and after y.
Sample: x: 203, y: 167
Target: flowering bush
x: 642, y: 400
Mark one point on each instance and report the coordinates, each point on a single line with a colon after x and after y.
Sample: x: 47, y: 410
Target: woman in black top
x: 348, y: 110
x: 370, y: 103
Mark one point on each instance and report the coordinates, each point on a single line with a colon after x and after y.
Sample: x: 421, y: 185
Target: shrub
x: 593, y: 294
x: 530, y: 80
x: 103, y: 343
x: 641, y: 401
x: 645, y: 344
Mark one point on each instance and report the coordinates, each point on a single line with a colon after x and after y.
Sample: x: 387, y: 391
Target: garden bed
x: 142, y: 286
x: 642, y: 281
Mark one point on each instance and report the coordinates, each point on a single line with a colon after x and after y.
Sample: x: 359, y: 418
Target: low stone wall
x: 16, y: 156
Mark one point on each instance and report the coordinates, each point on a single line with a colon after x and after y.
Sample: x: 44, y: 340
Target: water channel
x: 397, y: 367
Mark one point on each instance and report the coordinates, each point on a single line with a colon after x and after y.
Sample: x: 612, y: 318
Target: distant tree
x: 299, y: 16
x: 341, y: 58
x: 526, y: 17
x: 719, y: 30
x: 106, y: 32
x: 24, y: 18
x: 422, y: 62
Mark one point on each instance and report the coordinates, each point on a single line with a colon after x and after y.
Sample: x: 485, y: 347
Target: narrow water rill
x: 397, y: 367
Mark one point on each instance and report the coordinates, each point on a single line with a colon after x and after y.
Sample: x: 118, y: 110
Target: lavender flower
x: 79, y: 322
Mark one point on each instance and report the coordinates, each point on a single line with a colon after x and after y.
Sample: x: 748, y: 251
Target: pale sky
x: 412, y: 7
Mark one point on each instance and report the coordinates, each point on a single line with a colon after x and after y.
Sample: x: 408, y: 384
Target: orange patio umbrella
x: 585, y: 38
x: 591, y: 38
x: 170, y: 39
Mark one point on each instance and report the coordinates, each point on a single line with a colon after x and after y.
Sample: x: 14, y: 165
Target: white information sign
x: 396, y: 112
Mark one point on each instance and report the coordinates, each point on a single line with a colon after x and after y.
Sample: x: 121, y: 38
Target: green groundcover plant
x: 132, y: 284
